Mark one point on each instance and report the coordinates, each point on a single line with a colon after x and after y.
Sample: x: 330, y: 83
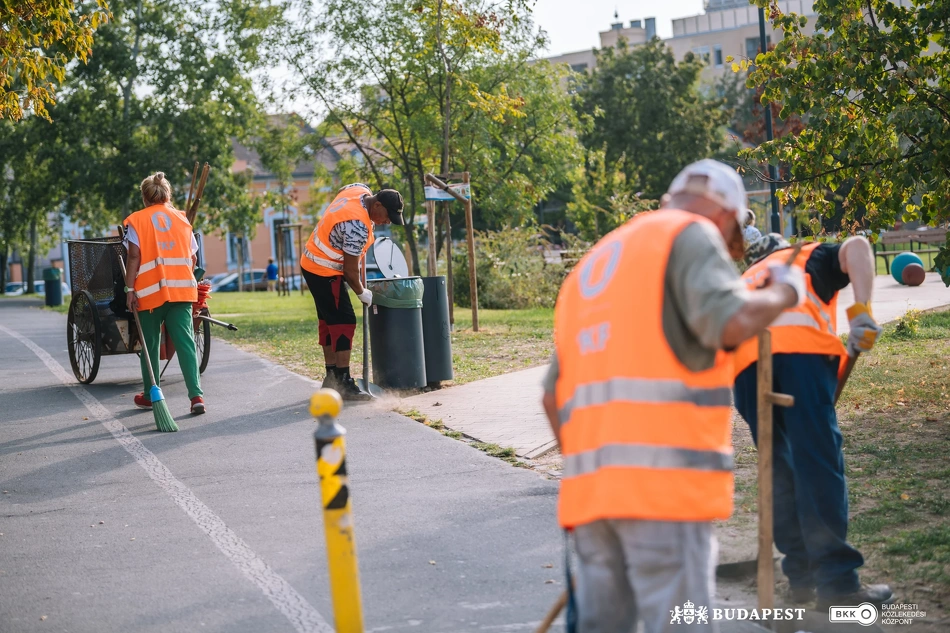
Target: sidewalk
x: 506, y: 410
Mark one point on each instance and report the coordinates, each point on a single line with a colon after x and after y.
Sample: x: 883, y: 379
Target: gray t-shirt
x: 702, y: 291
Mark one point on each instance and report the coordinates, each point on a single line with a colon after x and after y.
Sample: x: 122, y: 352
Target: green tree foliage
x: 169, y: 83
x: 38, y: 38
x: 873, y: 86
x: 29, y: 195
x: 603, y: 198
x: 383, y: 84
x: 649, y: 114
x: 282, y: 145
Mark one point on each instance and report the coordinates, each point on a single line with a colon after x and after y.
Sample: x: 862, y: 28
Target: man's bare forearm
x: 549, y: 402
x: 757, y: 313
x: 132, y: 268
x: 857, y: 260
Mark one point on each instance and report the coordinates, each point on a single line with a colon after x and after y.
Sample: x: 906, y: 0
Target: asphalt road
x: 108, y: 525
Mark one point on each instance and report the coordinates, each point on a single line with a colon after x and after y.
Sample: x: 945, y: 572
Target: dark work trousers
x: 810, y: 492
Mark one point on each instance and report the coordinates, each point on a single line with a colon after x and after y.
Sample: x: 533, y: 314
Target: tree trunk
x: 410, y: 230
x: 3, y: 269
x: 31, y: 264
x: 241, y: 264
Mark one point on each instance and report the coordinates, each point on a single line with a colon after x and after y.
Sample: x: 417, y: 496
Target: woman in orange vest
x: 638, y: 396
x: 160, y: 283
x: 810, y: 491
x: 332, y: 256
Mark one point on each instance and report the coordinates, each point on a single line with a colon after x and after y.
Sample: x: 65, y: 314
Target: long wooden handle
x: 191, y: 190
x: 193, y: 210
x: 552, y: 613
x: 138, y: 324
x: 852, y: 361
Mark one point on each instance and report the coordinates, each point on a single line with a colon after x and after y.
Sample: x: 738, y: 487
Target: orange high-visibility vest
x: 166, y: 272
x: 642, y: 436
x: 320, y: 257
x: 808, y: 329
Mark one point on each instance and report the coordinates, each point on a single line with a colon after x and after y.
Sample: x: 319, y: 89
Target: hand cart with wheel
x: 99, y: 323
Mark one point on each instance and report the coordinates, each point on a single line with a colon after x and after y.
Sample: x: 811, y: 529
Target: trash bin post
x: 52, y: 281
x: 330, y: 444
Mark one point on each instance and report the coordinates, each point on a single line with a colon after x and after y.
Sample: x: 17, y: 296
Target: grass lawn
x: 284, y: 329
x: 895, y: 418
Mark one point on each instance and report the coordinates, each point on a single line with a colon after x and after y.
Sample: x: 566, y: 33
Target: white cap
x: 714, y: 181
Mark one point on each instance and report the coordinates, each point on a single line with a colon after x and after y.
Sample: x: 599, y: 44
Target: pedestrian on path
x: 809, y: 490
x: 332, y: 256
x: 271, y: 275
x: 160, y: 283
x: 750, y: 233
x: 638, y: 396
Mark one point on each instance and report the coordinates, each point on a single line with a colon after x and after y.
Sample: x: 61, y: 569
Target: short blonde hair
x: 156, y: 190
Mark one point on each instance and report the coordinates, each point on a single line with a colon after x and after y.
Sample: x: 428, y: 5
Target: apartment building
x: 726, y: 28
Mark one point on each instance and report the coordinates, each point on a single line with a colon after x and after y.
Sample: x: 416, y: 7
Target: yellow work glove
x: 864, y: 329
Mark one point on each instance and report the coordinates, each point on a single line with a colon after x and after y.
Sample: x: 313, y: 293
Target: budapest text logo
x: 689, y: 613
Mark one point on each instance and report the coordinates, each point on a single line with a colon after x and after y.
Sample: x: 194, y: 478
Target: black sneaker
x: 875, y: 594
x: 332, y: 381
x: 800, y: 595
x: 351, y: 392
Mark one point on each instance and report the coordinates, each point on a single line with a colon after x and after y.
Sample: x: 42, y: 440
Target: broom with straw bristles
x: 164, y: 421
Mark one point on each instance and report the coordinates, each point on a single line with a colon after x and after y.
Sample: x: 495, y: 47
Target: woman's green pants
x: 178, y: 324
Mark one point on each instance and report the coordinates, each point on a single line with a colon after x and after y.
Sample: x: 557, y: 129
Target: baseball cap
x: 714, y: 181
x: 392, y: 200
x: 765, y: 246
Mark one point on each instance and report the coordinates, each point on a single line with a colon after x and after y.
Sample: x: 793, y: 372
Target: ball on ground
x: 897, y: 266
x: 913, y: 274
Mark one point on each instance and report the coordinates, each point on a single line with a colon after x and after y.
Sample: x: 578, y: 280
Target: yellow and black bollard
x: 325, y: 405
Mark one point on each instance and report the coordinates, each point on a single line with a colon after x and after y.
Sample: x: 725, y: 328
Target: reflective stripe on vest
x: 643, y: 437
x: 642, y: 390
x: 807, y: 329
x: 328, y: 251
x: 645, y: 456
x: 166, y: 283
x: 165, y: 274
x: 326, y: 263
x: 319, y: 257
x: 165, y: 261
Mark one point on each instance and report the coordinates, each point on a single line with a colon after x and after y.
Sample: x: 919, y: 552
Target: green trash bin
x: 52, y: 281
x: 395, y: 333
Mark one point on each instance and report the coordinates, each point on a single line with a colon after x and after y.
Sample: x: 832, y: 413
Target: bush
x: 512, y: 272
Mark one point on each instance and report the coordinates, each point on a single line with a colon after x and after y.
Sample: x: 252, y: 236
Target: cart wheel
x: 203, y: 342
x: 84, y: 337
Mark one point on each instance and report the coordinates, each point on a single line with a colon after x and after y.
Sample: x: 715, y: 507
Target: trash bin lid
x: 389, y: 259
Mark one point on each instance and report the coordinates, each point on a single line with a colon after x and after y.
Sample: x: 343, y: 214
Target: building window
x: 702, y: 52
x: 752, y: 46
x: 579, y: 68
x: 717, y: 56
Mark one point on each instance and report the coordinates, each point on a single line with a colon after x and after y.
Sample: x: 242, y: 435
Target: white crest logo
x: 688, y: 614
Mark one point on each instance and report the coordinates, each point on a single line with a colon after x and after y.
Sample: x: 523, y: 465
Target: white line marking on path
x: 303, y: 617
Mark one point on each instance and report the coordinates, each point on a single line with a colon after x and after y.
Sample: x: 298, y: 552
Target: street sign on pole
x: 435, y: 194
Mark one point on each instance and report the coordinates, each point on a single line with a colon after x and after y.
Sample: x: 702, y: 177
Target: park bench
x: 896, y: 239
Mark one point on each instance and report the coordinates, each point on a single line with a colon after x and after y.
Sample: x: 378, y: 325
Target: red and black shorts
x: 337, y: 319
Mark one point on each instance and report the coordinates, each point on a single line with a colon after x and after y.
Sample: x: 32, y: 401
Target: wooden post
x: 470, y: 235
x: 448, y: 264
x: 765, y: 400
x: 430, y: 260
x: 766, y: 574
x: 280, y: 260
x: 300, y: 254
